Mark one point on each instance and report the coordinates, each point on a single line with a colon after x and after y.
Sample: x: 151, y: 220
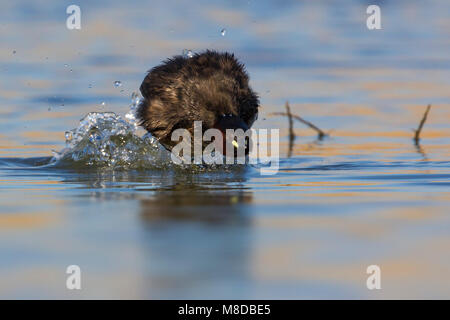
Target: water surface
x: 364, y: 195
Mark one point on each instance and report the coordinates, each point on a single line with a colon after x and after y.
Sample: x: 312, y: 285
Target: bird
x: 210, y: 86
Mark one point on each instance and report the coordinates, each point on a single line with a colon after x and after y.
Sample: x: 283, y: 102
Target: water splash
x: 106, y: 140
x: 131, y: 115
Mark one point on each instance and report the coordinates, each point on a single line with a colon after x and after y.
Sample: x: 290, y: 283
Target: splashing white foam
x: 105, y: 139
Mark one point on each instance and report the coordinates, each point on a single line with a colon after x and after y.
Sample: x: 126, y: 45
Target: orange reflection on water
x: 13, y: 221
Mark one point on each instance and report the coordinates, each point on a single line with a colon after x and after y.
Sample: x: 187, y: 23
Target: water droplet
x: 188, y: 53
x: 90, y: 85
x: 117, y: 83
x: 66, y: 65
x: 68, y: 136
x: 223, y: 32
x: 71, y: 70
x: 14, y: 51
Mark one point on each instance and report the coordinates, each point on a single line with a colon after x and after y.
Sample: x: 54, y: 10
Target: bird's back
x: 202, y: 88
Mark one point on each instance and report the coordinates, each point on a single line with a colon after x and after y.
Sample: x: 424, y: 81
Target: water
x: 108, y: 201
x: 187, y: 53
x: 106, y: 140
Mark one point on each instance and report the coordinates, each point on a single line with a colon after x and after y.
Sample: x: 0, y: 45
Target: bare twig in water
x: 320, y: 133
x: 421, y: 151
x: 291, y: 129
x: 422, y: 122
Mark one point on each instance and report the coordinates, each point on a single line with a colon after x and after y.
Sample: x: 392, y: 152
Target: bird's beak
x: 231, y: 122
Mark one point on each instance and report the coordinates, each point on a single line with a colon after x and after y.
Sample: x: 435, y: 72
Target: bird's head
x: 227, y: 122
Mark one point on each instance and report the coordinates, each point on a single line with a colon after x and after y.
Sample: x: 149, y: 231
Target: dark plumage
x: 207, y: 87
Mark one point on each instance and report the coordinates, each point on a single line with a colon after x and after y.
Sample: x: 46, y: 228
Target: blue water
x: 365, y: 195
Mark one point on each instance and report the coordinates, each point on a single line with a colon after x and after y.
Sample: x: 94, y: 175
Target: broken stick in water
x: 320, y: 133
x: 291, y: 129
x: 422, y: 122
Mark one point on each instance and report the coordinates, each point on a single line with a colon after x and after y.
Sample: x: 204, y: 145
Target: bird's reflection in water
x: 192, y: 203
x: 197, y: 238
x: 193, y: 230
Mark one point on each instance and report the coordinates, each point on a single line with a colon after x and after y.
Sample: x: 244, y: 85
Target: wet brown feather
x: 202, y: 88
